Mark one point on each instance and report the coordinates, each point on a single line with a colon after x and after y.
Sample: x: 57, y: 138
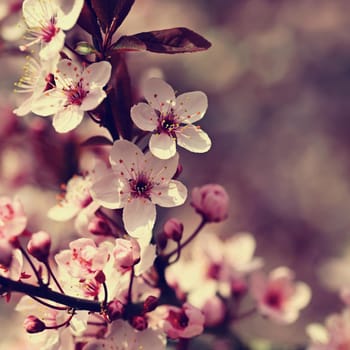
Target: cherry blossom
x: 75, y: 202
x: 46, y: 20
x: 170, y: 119
x: 138, y: 182
x: 121, y: 336
x: 334, y: 335
x: 278, y: 296
x: 37, y: 79
x: 77, y: 89
x: 12, y: 218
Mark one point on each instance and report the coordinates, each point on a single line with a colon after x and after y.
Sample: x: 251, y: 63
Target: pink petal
x: 67, y: 119
x: 193, y: 139
x: 68, y: 71
x: 169, y: 196
x: 163, y: 146
x: 144, y: 116
x: 93, y: 99
x: 139, y: 216
x: 159, y: 94
x: 191, y: 106
x: 160, y: 170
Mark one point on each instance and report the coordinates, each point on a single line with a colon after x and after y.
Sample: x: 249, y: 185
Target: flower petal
x: 98, y: 74
x: 93, y: 99
x: 126, y: 158
x: 48, y: 103
x: 193, y: 139
x: 67, y: 73
x: 163, y: 146
x: 53, y: 47
x: 160, y: 170
x: 108, y: 191
x: 63, y: 212
x: 191, y: 106
x: 144, y: 116
x: 169, y: 196
x: 159, y: 94
x: 67, y: 119
x: 71, y: 15
x: 139, y: 216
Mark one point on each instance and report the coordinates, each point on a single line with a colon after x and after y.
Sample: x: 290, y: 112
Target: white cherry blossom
x: 170, y: 119
x: 46, y: 20
x: 136, y: 183
x: 77, y: 89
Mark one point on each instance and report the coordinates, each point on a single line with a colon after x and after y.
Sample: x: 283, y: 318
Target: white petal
x: 71, y: 15
x: 63, y: 212
x: 159, y: 94
x: 67, y: 119
x: 126, y: 158
x: 35, y: 13
x: 51, y: 49
x: 107, y: 191
x: 24, y: 108
x: 67, y: 73
x: 191, y: 106
x: 160, y: 170
x: 144, y: 116
x: 98, y: 74
x: 93, y: 99
x: 139, y: 216
x: 193, y: 139
x: 169, y: 196
x: 163, y: 146
x: 50, y: 102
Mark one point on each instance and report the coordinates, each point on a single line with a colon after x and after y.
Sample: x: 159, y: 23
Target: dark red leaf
x: 97, y: 141
x: 170, y: 41
x: 111, y: 13
x: 88, y: 20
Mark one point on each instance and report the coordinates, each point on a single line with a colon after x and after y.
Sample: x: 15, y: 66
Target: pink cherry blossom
x: 75, y: 202
x: 12, y: 218
x: 46, y: 20
x: 170, y: 119
x: 334, y: 335
x: 278, y: 296
x: 136, y: 183
x: 121, y: 336
x: 126, y: 254
x: 77, y: 90
x: 185, y: 322
x: 84, y: 258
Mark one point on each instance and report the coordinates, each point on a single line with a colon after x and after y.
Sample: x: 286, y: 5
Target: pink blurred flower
x: 278, y: 296
x: 39, y: 245
x: 185, y: 322
x: 77, y: 89
x: 136, y: 183
x: 211, y: 201
x: 12, y: 218
x: 170, y: 119
x: 126, y: 254
x: 46, y: 20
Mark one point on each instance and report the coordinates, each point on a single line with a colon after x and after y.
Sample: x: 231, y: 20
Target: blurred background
x: 278, y: 79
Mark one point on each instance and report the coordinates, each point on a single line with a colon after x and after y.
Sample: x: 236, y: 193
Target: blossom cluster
x: 122, y: 283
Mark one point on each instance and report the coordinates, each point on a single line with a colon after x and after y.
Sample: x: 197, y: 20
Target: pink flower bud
x: 39, y: 246
x: 162, y: 240
x: 99, y: 227
x: 100, y: 277
x: 115, y: 310
x: 5, y: 253
x: 214, y: 311
x: 126, y: 253
x: 139, y: 322
x: 150, y: 303
x: 211, y: 201
x: 174, y: 229
x: 33, y: 325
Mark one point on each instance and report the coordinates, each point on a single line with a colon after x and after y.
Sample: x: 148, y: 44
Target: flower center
x: 76, y: 94
x: 49, y: 31
x: 167, y: 124
x: 178, y: 320
x: 140, y: 187
x: 274, y: 299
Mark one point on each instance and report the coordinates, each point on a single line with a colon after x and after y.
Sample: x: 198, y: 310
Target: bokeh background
x: 278, y: 81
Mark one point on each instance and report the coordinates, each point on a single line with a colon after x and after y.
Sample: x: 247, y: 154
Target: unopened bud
x: 139, y: 322
x: 211, y: 201
x: 33, y: 325
x: 84, y: 48
x: 39, y: 246
x: 162, y: 240
x: 115, y: 310
x: 100, y: 277
x: 150, y: 303
x: 174, y: 229
x: 5, y: 253
x: 99, y: 227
